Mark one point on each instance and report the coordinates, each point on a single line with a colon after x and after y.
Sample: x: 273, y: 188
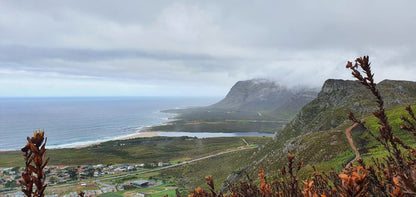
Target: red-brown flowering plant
x: 34, y: 154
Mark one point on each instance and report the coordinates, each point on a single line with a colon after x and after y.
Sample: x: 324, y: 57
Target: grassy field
x: 222, y: 120
x: 151, y: 192
x: 113, y: 194
x: 220, y: 168
x: 262, y: 126
x: 139, y: 150
x: 191, y: 176
x: 156, y: 149
x: 371, y: 148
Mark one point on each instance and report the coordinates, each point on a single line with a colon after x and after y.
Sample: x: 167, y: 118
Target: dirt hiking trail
x: 349, y: 137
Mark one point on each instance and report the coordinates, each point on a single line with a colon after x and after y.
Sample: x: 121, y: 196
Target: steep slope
x: 254, y: 95
x: 317, y: 134
x: 338, y: 97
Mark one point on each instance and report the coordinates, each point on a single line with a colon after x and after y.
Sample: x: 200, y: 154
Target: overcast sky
x: 196, y: 48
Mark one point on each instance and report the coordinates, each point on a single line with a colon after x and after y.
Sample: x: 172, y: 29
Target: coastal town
x: 93, y: 180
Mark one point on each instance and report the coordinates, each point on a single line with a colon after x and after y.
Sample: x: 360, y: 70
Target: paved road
x: 153, y: 170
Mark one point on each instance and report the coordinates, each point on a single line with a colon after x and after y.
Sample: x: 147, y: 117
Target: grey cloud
x: 22, y: 53
x: 207, y: 43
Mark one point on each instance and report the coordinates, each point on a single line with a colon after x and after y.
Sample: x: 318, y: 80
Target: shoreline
x: 142, y: 134
x: 145, y: 133
x: 139, y: 132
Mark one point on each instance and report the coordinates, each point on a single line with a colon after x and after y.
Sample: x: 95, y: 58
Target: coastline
x: 157, y: 112
x: 146, y: 132
x: 142, y: 134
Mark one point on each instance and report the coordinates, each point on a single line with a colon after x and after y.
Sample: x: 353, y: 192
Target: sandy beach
x: 142, y: 134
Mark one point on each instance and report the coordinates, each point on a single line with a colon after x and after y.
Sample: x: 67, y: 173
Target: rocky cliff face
x: 338, y: 97
x: 333, y: 85
x: 257, y: 95
x: 266, y: 95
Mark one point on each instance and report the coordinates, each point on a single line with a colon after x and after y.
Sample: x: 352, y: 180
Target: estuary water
x: 71, y: 122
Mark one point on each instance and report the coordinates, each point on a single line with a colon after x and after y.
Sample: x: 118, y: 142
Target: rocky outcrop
x: 266, y: 95
x: 338, y: 97
x: 332, y: 85
x: 255, y: 95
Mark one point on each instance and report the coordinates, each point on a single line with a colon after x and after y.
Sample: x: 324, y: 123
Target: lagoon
x: 212, y: 134
x: 71, y: 122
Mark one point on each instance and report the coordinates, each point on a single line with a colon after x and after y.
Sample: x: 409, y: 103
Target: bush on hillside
x: 393, y: 175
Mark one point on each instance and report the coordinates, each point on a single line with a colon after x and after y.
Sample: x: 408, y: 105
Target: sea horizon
x: 77, y: 121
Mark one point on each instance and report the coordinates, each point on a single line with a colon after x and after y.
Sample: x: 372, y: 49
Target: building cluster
x: 9, y: 177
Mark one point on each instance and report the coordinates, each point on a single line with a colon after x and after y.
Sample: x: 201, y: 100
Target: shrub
x: 393, y: 175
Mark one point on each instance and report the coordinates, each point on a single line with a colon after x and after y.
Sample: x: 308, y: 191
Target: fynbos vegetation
x: 34, y: 154
x: 393, y: 175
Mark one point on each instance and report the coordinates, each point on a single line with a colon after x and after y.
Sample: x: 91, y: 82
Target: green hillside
x: 317, y: 137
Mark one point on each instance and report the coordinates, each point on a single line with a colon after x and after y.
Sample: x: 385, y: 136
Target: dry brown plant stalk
x: 81, y: 193
x: 396, y: 176
x: 34, y: 154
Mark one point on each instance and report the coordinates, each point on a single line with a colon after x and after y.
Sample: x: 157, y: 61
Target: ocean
x: 70, y: 122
